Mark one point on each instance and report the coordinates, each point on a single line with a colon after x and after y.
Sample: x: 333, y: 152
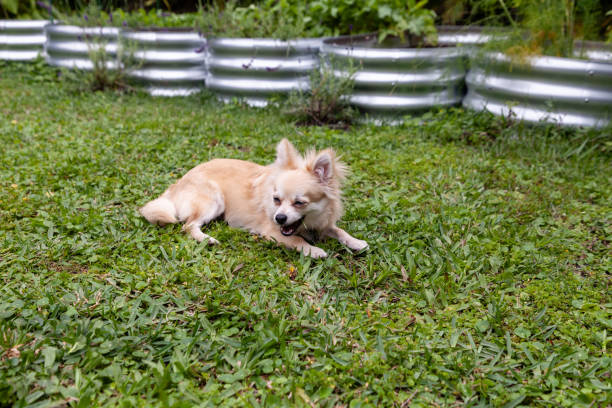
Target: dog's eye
x: 299, y: 203
x: 277, y: 201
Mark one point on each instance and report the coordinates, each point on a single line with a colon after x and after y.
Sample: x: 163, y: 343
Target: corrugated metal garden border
x: 71, y: 46
x: 567, y: 91
x: 392, y: 80
x: 254, y: 69
x: 22, y: 40
x: 574, y: 92
x: 169, y: 62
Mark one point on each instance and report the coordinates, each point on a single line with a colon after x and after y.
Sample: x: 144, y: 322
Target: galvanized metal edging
x: 168, y: 62
x: 254, y: 69
x: 391, y: 81
x: 466, y: 35
x: 567, y: 91
x: 22, y: 40
x: 71, y: 46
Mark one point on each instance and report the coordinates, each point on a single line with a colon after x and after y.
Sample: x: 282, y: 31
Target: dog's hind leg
x: 194, y: 224
x: 197, y: 207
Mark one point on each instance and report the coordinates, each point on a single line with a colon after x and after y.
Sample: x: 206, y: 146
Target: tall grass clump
x: 326, y: 103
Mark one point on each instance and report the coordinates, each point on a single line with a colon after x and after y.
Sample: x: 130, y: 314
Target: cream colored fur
x: 304, y: 191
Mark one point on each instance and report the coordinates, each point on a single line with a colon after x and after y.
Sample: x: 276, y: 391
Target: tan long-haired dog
x: 283, y: 201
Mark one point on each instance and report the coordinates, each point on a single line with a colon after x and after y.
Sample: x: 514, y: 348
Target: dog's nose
x: 281, y: 218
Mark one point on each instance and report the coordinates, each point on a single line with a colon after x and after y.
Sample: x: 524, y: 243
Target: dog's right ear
x: 286, y: 155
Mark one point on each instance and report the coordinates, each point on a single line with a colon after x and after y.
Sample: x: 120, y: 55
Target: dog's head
x: 305, y: 191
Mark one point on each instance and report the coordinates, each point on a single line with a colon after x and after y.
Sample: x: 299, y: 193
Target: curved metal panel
x: 22, y: 40
x: 392, y: 80
x: 71, y: 46
x: 593, y: 50
x: 568, y: 91
x: 466, y: 35
x: 169, y: 62
x: 255, y: 69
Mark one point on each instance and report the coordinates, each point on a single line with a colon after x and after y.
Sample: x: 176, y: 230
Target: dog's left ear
x: 286, y: 155
x: 323, y: 166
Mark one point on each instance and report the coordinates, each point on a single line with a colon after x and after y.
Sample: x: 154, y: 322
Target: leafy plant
x: 547, y: 27
x: 281, y: 19
x: 285, y: 19
x: 554, y: 25
x: 325, y: 103
x: 387, y: 17
x: 155, y: 18
x: 475, y: 12
x: 20, y: 9
x: 90, y: 16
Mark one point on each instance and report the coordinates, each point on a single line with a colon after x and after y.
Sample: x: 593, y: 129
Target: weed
x: 109, y: 71
x: 325, y: 102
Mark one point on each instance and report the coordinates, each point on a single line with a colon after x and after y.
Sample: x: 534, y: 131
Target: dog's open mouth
x: 289, y: 229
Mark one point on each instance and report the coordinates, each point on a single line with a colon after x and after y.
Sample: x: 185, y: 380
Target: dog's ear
x: 323, y: 166
x: 286, y: 155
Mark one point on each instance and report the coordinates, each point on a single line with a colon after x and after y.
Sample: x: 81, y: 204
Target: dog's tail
x: 160, y: 211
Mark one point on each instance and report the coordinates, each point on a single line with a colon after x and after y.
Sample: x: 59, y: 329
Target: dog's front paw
x: 357, y: 244
x: 315, y: 252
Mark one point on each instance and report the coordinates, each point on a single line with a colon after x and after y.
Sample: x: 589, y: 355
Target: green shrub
x: 387, y: 17
x: 541, y: 27
x: 285, y: 19
x: 25, y: 9
x: 94, y: 16
x: 271, y: 18
x: 155, y: 18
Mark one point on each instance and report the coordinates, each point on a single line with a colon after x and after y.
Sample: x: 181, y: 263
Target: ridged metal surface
x: 168, y: 63
x: 255, y: 69
x: 465, y: 35
x: 391, y: 80
x: 21, y: 40
x: 71, y: 46
x: 593, y: 50
x: 567, y: 91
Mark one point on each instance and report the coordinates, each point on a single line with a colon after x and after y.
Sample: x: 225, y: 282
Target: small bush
x: 287, y: 19
x: 326, y: 102
x: 271, y: 18
x: 108, y: 72
x: 387, y: 17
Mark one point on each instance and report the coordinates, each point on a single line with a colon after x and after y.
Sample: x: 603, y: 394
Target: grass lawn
x: 487, y: 282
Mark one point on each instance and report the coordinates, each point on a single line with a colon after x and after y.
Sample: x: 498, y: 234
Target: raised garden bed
x: 568, y: 91
x: 168, y: 61
x: 72, y: 46
x: 393, y: 79
x: 256, y: 69
x: 21, y: 40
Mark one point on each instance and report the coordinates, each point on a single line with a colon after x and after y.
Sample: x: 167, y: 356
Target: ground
x: 487, y: 282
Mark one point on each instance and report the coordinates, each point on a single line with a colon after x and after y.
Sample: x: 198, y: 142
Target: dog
x: 288, y: 200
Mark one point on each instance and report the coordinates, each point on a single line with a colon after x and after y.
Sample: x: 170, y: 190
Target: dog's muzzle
x: 289, y: 229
